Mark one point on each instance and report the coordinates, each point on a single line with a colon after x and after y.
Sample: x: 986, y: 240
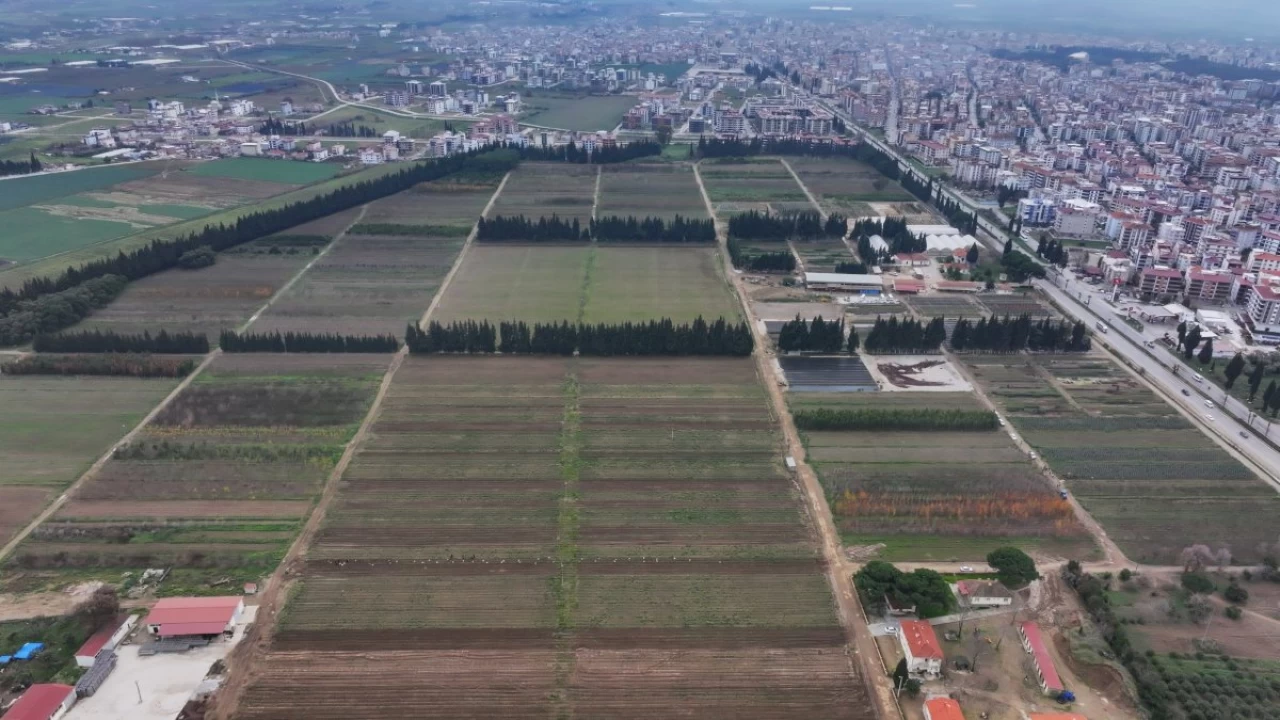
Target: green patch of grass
x: 25, y: 191
x: 278, y: 171
x: 31, y: 234
x: 61, y: 636
x: 955, y: 548
x: 182, y: 212
x: 576, y: 112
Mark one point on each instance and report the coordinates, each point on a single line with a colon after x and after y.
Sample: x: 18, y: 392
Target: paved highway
x: 1173, y: 378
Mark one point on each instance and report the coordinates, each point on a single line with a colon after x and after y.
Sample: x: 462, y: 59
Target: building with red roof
x: 208, y: 616
x: 1160, y: 281
x: 921, y: 647
x: 106, y: 638
x: 942, y: 709
x: 1046, y: 671
x: 47, y: 701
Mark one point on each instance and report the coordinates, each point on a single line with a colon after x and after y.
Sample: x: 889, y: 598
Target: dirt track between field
x: 839, y: 572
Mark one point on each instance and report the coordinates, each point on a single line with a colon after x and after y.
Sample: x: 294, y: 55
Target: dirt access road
x: 839, y: 572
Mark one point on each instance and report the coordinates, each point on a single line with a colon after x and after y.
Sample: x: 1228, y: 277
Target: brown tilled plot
x: 542, y: 537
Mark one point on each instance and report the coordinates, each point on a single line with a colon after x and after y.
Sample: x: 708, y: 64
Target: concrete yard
x: 165, y: 681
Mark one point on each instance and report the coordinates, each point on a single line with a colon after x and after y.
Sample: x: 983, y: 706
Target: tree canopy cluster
x: 1052, y: 251
x: 781, y: 261
x: 27, y: 318
x: 818, y: 336
x: 895, y: 234
x: 905, y: 336
x: 1014, y: 568
x: 1019, y: 333
x: 21, y: 167
x: 109, y: 341
x: 291, y: 342
x: 754, y: 225
x: 924, y: 589
x: 851, y: 268
x: 963, y: 220
x: 656, y: 337
x: 165, y: 254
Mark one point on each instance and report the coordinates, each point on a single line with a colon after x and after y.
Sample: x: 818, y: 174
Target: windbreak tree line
x: 716, y: 148
x: 99, y: 341
x: 44, y: 314
x: 292, y: 342
x: 816, y: 336
x: 965, y: 221
x: 602, y: 155
x: 851, y: 268
x: 118, y: 364
x: 656, y: 337
x: 870, y: 418
x: 518, y: 228
x: 905, y: 336
x: 1019, y: 333
x: 754, y: 225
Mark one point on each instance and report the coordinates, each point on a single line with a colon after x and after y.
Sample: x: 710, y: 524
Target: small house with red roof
x: 921, y: 648
x: 194, y: 616
x: 46, y: 701
x: 1046, y: 671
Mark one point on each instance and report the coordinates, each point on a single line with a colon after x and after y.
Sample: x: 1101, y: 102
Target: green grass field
x: 535, y: 284
x: 21, y: 192
x: 642, y: 283
x: 15, y: 276
x: 31, y: 234
x: 576, y: 112
x: 279, y: 171
x: 53, y: 428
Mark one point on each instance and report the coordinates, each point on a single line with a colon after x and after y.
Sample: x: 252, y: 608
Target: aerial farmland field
x: 217, y: 484
x: 664, y: 190
x: 576, y: 112
x: 936, y: 495
x: 843, y: 185
x: 594, y: 283
x: 509, y: 514
x: 292, y: 173
x: 1150, y: 478
x: 544, y: 189
x: 736, y: 185
x: 54, y: 428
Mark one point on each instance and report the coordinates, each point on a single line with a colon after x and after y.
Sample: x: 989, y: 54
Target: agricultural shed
x: 866, y: 284
x: 205, y: 616
x: 1033, y: 643
x: 932, y: 230
x: 943, y: 708
x: 921, y: 647
x: 47, y: 701
x: 957, y: 286
x: 107, y: 638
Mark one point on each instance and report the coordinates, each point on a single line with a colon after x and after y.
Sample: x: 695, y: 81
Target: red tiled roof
x: 39, y: 702
x: 1041, y: 653
x: 98, y: 640
x: 921, y: 639
x: 203, y: 612
x: 943, y: 709
x: 1161, y: 272
x: 170, y: 629
x: 1267, y: 292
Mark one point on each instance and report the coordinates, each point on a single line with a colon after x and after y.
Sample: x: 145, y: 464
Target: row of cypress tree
x: 754, y: 225
x: 905, y: 336
x: 292, y: 342
x: 109, y: 341
x: 655, y: 337
x: 602, y: 155
x: 781, y: 261
x: 519, y: 228
x: 1019, y: 333
x: 817, y: 336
